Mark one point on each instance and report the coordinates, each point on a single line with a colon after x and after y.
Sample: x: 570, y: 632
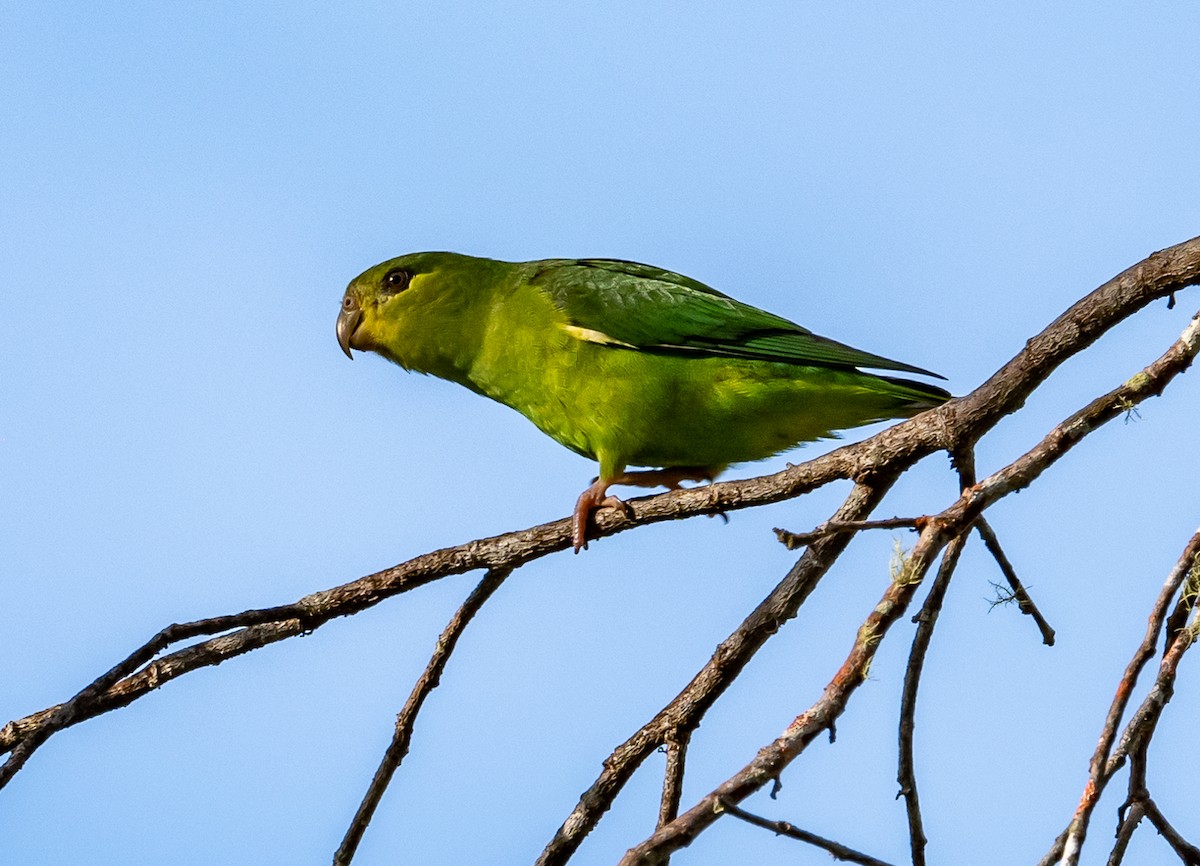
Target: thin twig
x: 796, y: 540
x: 783, y: 828
x: 407, y: 717
x: 672, y: 791
x: 906, y: 772
x: 1104, y: 762
x: 1187, y: 852
x: 1129, y: 822
x: 1139, y: 804
x: 83, y: 704
x: 1186, y: 602
x: 1020, y: 595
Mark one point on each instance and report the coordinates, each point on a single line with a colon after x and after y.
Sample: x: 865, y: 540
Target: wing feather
x: 642, y: 307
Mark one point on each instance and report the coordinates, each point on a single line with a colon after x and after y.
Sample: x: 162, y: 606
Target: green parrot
x: 626, y: 364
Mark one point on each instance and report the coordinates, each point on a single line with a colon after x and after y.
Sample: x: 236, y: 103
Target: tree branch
x: 407, y: 717
x: 1105, y: 763
x: 672, y: 791
x: 954, y: 426
x: 938, y: 532
x: 796, y: 540
x: 783, y: 828
x: 1019, y: 594
x: 1189, y: 854
x: 684, y: 713
x: 906, y: 772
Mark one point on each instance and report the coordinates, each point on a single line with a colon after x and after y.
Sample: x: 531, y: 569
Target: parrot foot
x: 591, y: 499
x: 596, y: 496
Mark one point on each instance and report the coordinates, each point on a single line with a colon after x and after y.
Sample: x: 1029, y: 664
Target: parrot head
x: 418, y: 310
x: 375, y: 298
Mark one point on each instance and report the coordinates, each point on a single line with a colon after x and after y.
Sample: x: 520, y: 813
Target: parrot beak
x: 347, y: 323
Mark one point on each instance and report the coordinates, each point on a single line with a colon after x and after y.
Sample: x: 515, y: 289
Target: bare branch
x: 672, y: 792
x: 24, y: 736
x: 1019, y: 594
x: 1188, y: 853
x: 906, y: 774
x: 1129, y: 822
x: 1104, y: 763
x: 1186, y: 603
x: 686, y: 711
x: 783, y: 828
x: 773, y: 758
x: 962, y: 421
x: 926, y: 619
x: 938, y: 531
x: 796, y: 540
x: 407, y: 717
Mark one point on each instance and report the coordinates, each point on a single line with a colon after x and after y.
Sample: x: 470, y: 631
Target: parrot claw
x: 595, y: 497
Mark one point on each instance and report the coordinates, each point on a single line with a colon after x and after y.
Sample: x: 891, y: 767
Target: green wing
x: 655, y: 310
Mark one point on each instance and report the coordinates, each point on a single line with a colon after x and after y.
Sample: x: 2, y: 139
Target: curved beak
x: 347, y: 323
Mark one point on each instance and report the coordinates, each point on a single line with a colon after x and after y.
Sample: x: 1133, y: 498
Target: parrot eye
x: 396, y: 280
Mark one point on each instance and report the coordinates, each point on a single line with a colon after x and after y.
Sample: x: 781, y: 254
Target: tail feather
x: 924, y: 396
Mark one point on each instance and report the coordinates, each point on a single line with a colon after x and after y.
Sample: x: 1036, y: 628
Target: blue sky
x: 185, y: 190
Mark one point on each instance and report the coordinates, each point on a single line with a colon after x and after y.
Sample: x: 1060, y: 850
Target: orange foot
x: 597, y: 496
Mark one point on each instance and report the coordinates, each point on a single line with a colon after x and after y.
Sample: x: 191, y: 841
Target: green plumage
x: 627, y: 364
